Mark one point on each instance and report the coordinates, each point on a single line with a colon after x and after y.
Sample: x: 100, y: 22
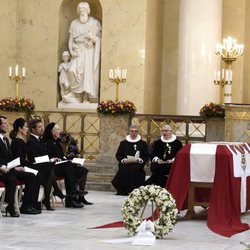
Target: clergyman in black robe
x: 162, y: 157
x: 132, y: 155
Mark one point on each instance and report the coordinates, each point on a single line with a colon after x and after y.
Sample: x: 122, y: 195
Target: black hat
x: 47, y: 132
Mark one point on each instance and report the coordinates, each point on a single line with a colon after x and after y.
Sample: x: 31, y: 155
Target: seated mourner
x: 132, y: 155
x: 163, y: 155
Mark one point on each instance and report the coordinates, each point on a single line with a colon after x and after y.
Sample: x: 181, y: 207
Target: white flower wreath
x: 161, y: 198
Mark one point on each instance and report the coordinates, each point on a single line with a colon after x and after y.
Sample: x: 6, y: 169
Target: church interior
x: 169, y: 59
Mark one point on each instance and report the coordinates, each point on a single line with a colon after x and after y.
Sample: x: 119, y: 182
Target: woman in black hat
x: 55, y: 151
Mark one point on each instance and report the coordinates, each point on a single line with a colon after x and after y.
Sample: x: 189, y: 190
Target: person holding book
x: 37, y: 148
x: 163, y: 155
x: 132, y: 155
x: 52, y: 139
x: 10, y: 176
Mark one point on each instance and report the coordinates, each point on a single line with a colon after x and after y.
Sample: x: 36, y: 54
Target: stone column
x: 237, y: 127
x: 199, y: 31
x: 113, y: 129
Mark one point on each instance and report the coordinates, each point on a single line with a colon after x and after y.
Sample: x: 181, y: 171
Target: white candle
x: 118, y: 72
x: 23, y: 72
x: 110, y: 72
x: 125, y: 74
x: 10, y: 71
x: 222, y: 73
x: 16, y: 70
x: 231, y: 76
x: 115, y: 73
x: 227, y: 76
x: 218, y: 75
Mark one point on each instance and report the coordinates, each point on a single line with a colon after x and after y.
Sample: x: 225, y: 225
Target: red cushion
x: 2, y: 184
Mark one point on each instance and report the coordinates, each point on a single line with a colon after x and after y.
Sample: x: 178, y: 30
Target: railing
x: 85, y: 127
x: 187, y: 128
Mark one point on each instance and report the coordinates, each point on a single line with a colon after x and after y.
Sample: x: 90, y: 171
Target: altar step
x: 101, y: 174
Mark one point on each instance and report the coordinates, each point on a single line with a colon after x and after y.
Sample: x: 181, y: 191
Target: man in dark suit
x: 36, y: 147
x: 9, y: 177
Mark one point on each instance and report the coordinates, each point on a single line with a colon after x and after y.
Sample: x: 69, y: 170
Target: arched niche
x: 67, y: 13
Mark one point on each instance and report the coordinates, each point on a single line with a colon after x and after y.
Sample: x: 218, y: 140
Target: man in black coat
x: 9, y: 177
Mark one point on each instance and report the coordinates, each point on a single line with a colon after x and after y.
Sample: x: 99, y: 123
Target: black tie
x: 5, y: 143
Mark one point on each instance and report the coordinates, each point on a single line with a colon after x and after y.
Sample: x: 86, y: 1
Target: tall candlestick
x: 118, y: 77
x: 16, y: 77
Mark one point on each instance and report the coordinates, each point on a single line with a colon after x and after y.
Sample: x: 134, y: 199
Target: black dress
x: 131, y: 175
x: 19, y: 149
x: 55, y: 150
x: 163, y: 150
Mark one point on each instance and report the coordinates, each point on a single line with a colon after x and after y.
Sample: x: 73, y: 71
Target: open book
x: 131, y: 158
x: 78, y: 161
x: 14, y: 163
x: 60, y: 162
x: 42, y: 159
x: 30, y: 170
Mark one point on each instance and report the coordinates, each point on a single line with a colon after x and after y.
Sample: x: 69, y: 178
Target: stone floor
x: 68, y: 229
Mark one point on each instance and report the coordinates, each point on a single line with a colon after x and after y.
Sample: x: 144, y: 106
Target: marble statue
x: 84, y: 68
x: 63, y: 74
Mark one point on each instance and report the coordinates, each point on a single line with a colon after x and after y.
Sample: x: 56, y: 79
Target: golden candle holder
x: 117, y: 76
x: 229, y: 51
x: 16, y: 77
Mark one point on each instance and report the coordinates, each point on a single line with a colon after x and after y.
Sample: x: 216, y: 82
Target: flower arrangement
x: 212, y: 110
x: 164, y: 202
x: 116, y: 107
x: 16, y: 104
x: 70, y: 146
x: 247, y: 245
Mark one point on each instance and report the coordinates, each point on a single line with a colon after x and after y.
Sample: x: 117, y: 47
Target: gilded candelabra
x: 229, y: 51
x: 16, y: 77
x: 117, y: 76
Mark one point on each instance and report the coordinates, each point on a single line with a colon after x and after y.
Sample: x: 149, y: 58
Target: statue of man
x: 84, y: 46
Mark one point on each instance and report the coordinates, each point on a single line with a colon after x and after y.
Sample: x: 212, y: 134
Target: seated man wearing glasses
x: 132, y: 155
x: 163, y: 155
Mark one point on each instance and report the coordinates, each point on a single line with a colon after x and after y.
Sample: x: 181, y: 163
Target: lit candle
x: 218, y: 75
x: 231, y: 76
x: 227, y: 76
x: 222, y: 74
x: 118, y: 72
x: 16, y: 70
x: 10, y: 71
x: 23, y: 72
x: 215, y: 76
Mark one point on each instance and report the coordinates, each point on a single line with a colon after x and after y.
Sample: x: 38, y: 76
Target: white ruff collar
x: 173, y: 138
x: 128, y: 138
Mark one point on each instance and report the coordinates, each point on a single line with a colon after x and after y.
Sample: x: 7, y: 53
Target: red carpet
x: 110, y: 225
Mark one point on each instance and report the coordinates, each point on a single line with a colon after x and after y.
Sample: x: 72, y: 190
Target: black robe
x: 164, y: 151
x: 131, y: 175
